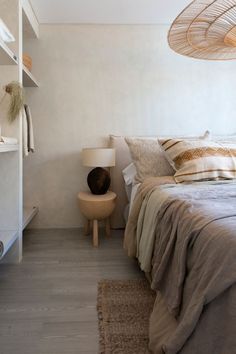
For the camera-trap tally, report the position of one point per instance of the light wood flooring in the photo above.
(48, 302)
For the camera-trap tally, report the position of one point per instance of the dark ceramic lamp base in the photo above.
(99, 181)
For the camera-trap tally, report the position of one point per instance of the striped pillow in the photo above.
(196, 160)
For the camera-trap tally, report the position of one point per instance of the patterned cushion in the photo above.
(149, 159)
(196, 160)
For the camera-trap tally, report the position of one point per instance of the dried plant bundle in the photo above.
(206, 29)
(15, 90)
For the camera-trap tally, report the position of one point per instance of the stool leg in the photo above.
(87, 227)
(108, 229)
(95, 233)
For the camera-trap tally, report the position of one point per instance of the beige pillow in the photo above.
(149, 158)
(196, 160)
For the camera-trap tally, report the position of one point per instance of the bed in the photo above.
(184, 237)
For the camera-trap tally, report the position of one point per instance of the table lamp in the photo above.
(98, 179)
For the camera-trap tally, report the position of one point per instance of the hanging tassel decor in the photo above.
(15, 90)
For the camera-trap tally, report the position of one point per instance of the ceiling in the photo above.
(108, 11)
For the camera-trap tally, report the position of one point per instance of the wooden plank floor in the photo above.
(48, 302)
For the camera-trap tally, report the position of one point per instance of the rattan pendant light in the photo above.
(206, 29)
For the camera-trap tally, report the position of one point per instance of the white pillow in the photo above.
(129, 173)
(225, 138)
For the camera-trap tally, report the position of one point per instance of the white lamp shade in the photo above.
(98, 157)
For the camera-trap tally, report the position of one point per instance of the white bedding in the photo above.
(128, 207)
(133, 194)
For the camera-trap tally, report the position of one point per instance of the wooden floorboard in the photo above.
(48, 302)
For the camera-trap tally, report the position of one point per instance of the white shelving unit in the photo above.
(21, 21)
(28, 215)
(6, 55)
(28, 78)
(30, 31)
(9, 147)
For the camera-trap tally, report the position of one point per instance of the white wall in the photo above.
(97, 80)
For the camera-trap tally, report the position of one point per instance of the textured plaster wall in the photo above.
(97, 80)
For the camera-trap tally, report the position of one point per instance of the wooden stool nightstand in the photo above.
(95, 208)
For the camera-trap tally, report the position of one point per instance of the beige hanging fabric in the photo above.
(28, 132)
(25, 133)
(30, 129)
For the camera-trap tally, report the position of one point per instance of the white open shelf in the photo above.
(8, 147)
(29, 21)
(28, 78)
(8, 238)
(6, 55)
(20, 18)
(28, 214)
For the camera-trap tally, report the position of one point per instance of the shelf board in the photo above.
(8, 147)
(6, 55)
(29, 20)
(8, 238)
(28, 78)
(28, 214)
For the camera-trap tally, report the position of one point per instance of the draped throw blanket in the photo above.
(145, 190)
(186, 236)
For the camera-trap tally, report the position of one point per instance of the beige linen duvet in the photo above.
(185, 237)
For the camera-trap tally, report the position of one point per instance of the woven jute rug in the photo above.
(124, 308)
